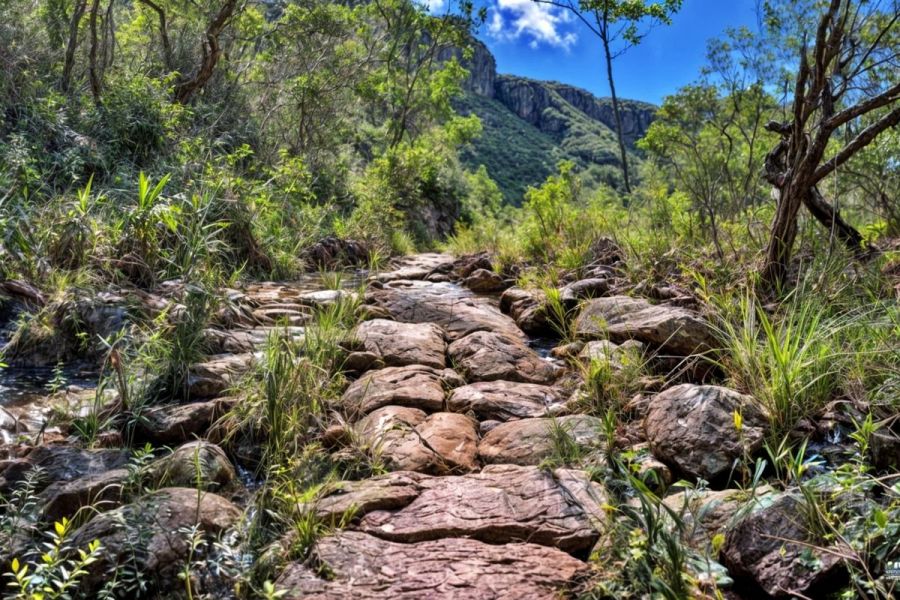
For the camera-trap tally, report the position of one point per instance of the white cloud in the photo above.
(435, 6)
(537, 23)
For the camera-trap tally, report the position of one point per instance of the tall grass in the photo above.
(289, 400)
(828, 339)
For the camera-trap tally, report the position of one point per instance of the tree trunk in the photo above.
(168, 61)
(212, 52)
(618, 118)
(72, 45)
(831, 218)
(783, 234)
(93, 67)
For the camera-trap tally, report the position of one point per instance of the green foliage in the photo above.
(57, 574)
(570, 135)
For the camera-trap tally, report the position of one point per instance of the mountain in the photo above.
(531, 125)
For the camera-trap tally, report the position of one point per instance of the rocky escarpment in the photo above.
(550, 121)
(530, 100)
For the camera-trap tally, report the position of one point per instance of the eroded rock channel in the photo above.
(474, 427)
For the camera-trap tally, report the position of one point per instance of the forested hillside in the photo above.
(551, 122)
(304, 300)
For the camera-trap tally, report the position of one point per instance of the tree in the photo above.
(838, 82)
(414, 81)
(211, 52)
(710, 136)
(618, 24)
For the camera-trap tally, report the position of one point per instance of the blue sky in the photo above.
(543, 42)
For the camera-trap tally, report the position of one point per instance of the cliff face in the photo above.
(529, 99)
(529, 126)
(482, 68)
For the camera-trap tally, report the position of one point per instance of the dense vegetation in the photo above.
(163, 158)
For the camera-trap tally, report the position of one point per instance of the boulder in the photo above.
(483, 281)
(364, 567)
(397, 344)
(707, 513)
(409, 440)
(335, 253)
(617, 356)
(505, 400)
(467, 265)
(416, 386)
(178, 423)
(583, 289)
(692, 427)
(501, 504)
(489, 356)
(527, 308)
(530, 441)
(149, 537)
(214, 376)
(100, 491)
(622, 318)
(195, 463)
(451, 307)
(59, 464)
(756, 547)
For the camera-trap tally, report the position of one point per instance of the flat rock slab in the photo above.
(417, 266)
(692, 427)
(362, 566)
(501, 504)
(489, 356)
(386, 492)
(622, 318)
(416, 386)
(453, 308)
(506, 400)
(239, 341)
(397, 344)
(409, 440)
(530, 441)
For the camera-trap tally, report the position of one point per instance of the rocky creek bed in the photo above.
(454, 380)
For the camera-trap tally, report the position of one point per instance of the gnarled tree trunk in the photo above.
(797, 164)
